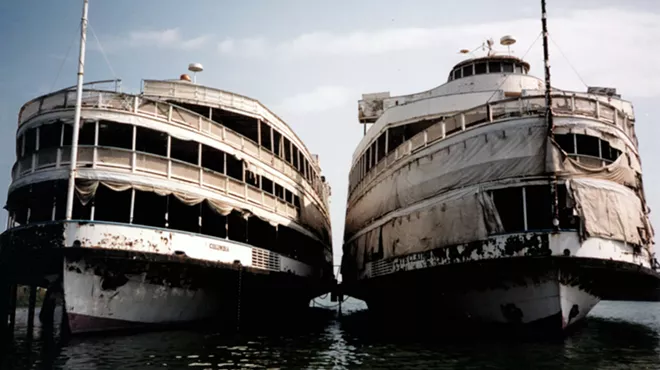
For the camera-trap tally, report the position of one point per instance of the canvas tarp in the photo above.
(517, 150)
(610, 210)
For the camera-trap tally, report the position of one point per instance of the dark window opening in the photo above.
(381, 146)
(607, 152)
(519, 68)
(417, 127)
(151, 141)
(30, 141)
(587, 145)
(509, 204)
(267, 185)
(87, 133)
(567, 220)
(60, 199)
(116, 135)
(234, 167)
(296, 201)
(287, 150)
(149, 209)
(213, 223)
(67, 136)
(112, 206)
(457, 73)
(494, 67)
(237, 228)
(566, 142)
(295, 157)
(395, 137)
(480, 68)
(539, 207)
(41, 201)
(265, 137)
(49, 136)
(507, 67)
(260, 233)
(19, 146)
(279, 191)
(184, 150)
(213, 159)
(288, 196)
(243, 125)
(277, 143)
(467, 70)
(199, 109)
(251, 178)
(181, 216)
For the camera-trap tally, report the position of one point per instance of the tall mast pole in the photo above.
(546, 62)
(76, 119)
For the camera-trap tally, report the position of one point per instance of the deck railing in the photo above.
(173, 115)
(562, 105)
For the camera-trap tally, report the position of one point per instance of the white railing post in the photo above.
(462, 122)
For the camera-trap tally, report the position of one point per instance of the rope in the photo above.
(66, 57)
(507, 76)
(567, 61)
(102, 52)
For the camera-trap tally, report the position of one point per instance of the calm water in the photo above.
(618, 335)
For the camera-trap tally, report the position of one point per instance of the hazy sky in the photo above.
(309, 61)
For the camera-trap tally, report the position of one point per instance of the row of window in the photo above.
(592, 146)
(119, 135)
(484, 67)
(46, 201)
(261, 133)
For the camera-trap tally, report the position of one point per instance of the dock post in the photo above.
(31, 307)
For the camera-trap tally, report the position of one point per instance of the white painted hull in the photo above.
(92, 305)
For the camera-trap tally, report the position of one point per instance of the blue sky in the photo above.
(309, 61)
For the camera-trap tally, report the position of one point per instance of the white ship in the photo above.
(493, 199)
(189, 203)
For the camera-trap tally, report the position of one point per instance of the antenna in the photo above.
(194, 68)
(507, 41)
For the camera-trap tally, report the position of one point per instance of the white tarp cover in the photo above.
(610, 210)
(500, 153)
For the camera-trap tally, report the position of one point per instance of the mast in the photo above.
(546, 62)
(76, 120)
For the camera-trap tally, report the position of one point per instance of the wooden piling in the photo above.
(12, 309)
(31, 307)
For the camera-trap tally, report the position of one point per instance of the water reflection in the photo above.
(617, 334)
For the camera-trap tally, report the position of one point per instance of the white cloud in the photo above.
(609, 46)
(164, 39)
(322, 98)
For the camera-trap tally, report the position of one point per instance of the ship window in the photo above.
(609, 153)
(295, 157)
(80, 211)
(567, 220)
(296, 201)
(279, 191)
(288, 196)
(213, 159)
(67, 135)
(539, 207)
(519, 68)
(87, 133)
(277, 143)
(115, 135)
(151, 141)
(381, 146)
(509, 204)
(213, 223)
(494, 67)
(480, 68)
(41, 201)
(184, 150)
(395, 138)
(251, 178)
(30, 141)
(149, 209)
(267, 185)
(49, 136)
(237, 226)
(60, 199)
(112, 206)
(199, 109)
(467, 70)
(243, 125)
(287, 150)
(19, 146)
(507, 67)
(234, 167)
(181, 216)
(457, 73)
(587, 145)
(566, 142)
(265, 137)
(260, 233)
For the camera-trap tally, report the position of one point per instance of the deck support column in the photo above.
(31, 306)
(12, 309)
